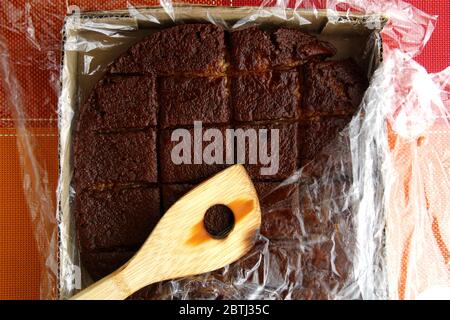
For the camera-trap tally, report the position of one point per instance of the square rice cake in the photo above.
(267, 96)
(184, 49)
(314, 135)
(333, 87)
(276, 267)
(256, 50)
(294, 47)
(185, 100)
(125, 157)
(172, 192)
(250, 50)
(181, 144)
(261, 162)
(280, 210)
(101, 264)
(118, 103)
(116, 218)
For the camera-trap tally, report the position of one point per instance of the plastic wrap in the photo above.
(371, 209)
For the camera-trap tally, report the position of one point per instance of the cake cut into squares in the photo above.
(182, 162)
(116, 218)
(294, 47)
(276, 267)
(256, 50)
(314, 135)
(250, 50)
(326, 266)
(333, 87)
(101, 264)
(185, 100)
(335, 213)
(118, 103)
(280, 210)
(261, 162)
(171, 193)
(125, 157)
(184, 49)
(267, 96)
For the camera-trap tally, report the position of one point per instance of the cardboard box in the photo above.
(92, 40)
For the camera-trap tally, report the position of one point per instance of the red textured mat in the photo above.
(20, 264)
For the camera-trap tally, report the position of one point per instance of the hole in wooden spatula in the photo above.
(219, 221)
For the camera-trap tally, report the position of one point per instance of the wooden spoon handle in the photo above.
(112, 287)
(180, 246)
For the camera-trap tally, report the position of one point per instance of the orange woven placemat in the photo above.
(20, 263)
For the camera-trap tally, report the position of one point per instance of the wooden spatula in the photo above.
(180, 246)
